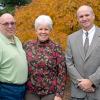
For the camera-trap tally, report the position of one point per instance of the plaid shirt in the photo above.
(47, 68)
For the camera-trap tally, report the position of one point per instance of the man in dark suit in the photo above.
(83, 57)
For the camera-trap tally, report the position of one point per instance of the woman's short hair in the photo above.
(43, 19)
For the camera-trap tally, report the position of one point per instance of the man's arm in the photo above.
(95, 77)
(0, 54)
(74, 74)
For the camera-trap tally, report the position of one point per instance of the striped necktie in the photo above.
(86, 44)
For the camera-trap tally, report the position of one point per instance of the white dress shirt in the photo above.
(91, 33)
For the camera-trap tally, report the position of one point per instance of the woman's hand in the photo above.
(57, 98)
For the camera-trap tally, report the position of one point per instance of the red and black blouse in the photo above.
(47, 68)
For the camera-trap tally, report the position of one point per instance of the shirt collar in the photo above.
(91, 30)
(6, 40)
(43, 44)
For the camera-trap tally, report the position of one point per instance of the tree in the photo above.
(9, 5)
(15, 2)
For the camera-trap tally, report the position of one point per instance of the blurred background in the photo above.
(62, 12)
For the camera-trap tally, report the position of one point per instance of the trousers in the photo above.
(12, 91)
(29, 96)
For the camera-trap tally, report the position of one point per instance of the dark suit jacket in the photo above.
(80, 66)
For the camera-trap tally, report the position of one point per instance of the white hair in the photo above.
(43, 19)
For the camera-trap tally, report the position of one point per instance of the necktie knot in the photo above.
(86, 34)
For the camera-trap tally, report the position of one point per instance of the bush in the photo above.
(63, 13)
(7, 9)
(9, 5)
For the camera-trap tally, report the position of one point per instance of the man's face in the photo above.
(7, 25)
(85, 18)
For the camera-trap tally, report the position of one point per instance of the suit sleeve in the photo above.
(95, 77)
(73, 73)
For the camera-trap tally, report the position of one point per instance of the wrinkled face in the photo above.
(85, 18)
(7, 25)
(43, 32)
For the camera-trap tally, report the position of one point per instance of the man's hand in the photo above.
(89, 90)
(57, 98)
(85, 85)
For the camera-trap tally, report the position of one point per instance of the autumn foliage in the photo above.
(62, 12)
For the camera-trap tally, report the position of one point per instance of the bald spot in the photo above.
(6, 17)
(85, 8)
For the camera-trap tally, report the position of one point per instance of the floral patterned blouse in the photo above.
(47, 68)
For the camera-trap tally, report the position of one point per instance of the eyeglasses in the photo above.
(8, 23)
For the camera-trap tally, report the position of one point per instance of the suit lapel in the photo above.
(80, 45)
(93, 44)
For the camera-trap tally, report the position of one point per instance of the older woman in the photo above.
(46, 61)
